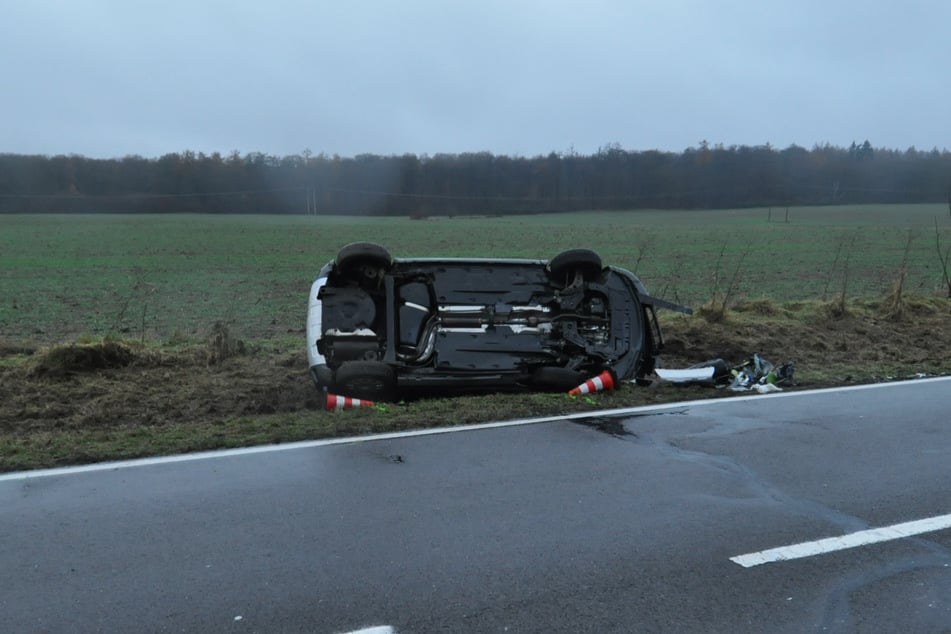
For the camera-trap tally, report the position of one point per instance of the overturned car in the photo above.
(380, 327)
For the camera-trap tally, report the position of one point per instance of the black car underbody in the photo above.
(390, 327)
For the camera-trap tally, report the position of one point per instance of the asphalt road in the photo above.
(618, 524)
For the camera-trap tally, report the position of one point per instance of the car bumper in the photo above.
(314, 332)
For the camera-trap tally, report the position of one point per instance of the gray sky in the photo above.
(108, 78)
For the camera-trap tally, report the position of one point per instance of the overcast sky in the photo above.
(109, 78)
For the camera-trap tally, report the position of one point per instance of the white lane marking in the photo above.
(852, 540)
(379, 629)
(306, 444)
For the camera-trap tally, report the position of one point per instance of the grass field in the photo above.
(125, 336)
(169, 278)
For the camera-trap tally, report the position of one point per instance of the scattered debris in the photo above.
(754, 374)
(698, 375)
(758, 372)
(716, 371)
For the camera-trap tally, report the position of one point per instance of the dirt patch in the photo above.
(867, 341)
(85, 387)
(72, 358)
(9, 349)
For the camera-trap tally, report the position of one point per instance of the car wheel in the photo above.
(371, 380)
(566, 263)
(363, 259)
(553, 379)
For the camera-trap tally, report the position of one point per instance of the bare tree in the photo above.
(715, 309)
(894, 304)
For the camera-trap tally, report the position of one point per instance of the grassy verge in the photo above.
(111, 399)
(52, 447)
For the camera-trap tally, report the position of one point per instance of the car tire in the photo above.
(554, 379)
(566, 263)
(370, 380)
(363, 259)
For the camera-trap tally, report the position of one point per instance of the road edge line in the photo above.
(306, 444)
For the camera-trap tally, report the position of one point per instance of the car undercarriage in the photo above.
(387, 327)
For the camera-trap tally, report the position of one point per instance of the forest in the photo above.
(703, 177)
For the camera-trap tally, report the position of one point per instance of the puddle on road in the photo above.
(610, 426)
(614, 425)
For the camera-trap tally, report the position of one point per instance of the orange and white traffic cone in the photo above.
(335, 401)
(604, 381)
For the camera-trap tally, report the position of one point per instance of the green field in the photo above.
(170, 277)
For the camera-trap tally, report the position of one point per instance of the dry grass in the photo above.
(58, 361)
(893, 305)
(113, 399)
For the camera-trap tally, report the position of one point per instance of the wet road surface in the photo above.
(611, 524)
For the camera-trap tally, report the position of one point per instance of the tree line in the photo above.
(703, 177)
